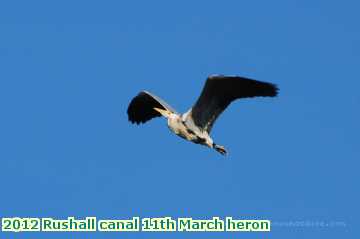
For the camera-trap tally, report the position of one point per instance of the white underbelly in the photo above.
(180, 129)
(183, 132)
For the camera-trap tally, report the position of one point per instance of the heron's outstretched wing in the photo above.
(141, 107)
(219, 91)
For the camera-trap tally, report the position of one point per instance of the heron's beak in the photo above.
(164, 113)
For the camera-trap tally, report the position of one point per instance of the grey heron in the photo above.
(195, 125)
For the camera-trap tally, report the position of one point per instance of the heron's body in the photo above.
(196, 124)
(177, 124)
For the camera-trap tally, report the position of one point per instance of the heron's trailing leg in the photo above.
(221, 149)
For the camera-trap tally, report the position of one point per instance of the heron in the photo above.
(196, 124)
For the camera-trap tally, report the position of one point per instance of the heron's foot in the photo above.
(220, 149)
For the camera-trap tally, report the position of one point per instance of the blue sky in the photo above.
(70, 68)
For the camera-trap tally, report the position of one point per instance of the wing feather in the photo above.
(141, 107)
(219, 91)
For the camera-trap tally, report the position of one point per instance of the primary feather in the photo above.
(141, 107)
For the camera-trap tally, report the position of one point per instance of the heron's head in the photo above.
(164, 113)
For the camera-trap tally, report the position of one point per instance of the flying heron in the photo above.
(195, 125)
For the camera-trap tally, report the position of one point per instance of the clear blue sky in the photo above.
(70, 68)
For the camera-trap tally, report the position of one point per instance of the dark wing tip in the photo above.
(262, 89)
(137, 110)
(272, 90)
(141, 107)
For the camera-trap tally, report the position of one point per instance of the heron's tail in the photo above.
(220, 149)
